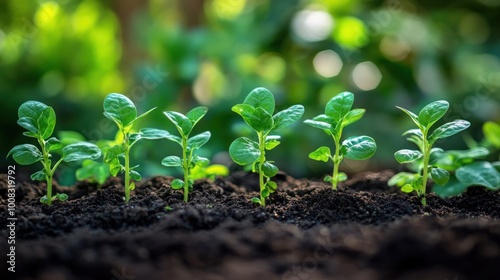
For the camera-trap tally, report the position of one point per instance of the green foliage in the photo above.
(39, 120)
(338, 115)
(123, 113)
(425, 140)
(257, 111)
(189, 161)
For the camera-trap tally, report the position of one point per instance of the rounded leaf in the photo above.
(261, 120)
(359, 147)
(318, 124)
(339, 105)
(440, 176)
(80, 151)
(177, 184)
(288, 116)
(433, 112)
(341, 177)
(39, 176)
(135, 175)
(196, 114)
(37, 118)
(119, 108)
(449, 129)
(261, 97)
(322, 153)
(60, 196)
(172, 161)
(405, 156)
(256, 200)
(407, 188)
(353, 116)
(199, 140)
(153, 133)
(181, 122)
(479, 173)
(244, 151)
(53, 144)
(25, 154)
(269, 169)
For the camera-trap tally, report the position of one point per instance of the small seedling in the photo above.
(338, 115)
(257, 111)
(185, 124)
(123, 113)
(39, 120)
(425, 140)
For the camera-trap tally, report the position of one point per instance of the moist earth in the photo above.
(364, 230)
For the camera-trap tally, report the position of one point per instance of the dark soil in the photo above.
(308, 231)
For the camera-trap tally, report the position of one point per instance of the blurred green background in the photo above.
(177, 54)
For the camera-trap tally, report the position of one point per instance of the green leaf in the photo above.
(479, 173)
(288, 116)
(172, 161)
(244, 151)
(199, 140)
(414, 131)
(256, 200)
(271, 144)
(449, 129)
(339, 106)
(407, 188)
(25, 154)
(60, 196)
(269, 169)
(328, 179)
(433, 112)
(473, 153)
(245, 111)
(70, 137)
(196, 114)
(131, 186)
(114, 166)
(135, 175)
(341, 177)
(491, 131)
(39, 176)
(318, 124)
(120, 109)
(44, 200)
(261, 120)
(406, 156)
(353, 116)
(452, 188)
(53, 144)
(201, 161)
(261, 98)
(181, 122)
(413, 117)
(143, 115)
(359, 147)
(401, 179)
(93, 170)
(177, 184)
(272, 186)
(265, 193)
(323, 153)
(37, 118)
(153, 133)
(112, 153)
(440, 176)
(80, 151)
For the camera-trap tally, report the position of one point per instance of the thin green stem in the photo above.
(186, 162)
(426, 150)
(262, 159)
(127, 166)
(336, 162)
(47, 169)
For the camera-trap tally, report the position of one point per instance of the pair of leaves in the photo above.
(26, 154)
(257, 111)
(185, 123)
(37, 118)
(121, 110)
(57, 196)
(338, 114)
(245, 151)
(175, 161)
(358, 148)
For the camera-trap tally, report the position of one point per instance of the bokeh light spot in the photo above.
(209, 86)
(327, 63)
(52, 83)
(351, 32)
(394, 47)
(46, 13)
(228, 9)
(312, 25)
(366, 76)
(474, 28)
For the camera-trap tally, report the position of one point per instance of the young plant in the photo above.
(39, 120)
(257, 111)
(185, 124)
(425, 140)
(123, 113)
(337, 116)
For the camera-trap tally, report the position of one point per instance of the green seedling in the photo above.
(425, 140)
(337, 116)
(123, 113)
(257, 111)
(185, 125)
(39, 120)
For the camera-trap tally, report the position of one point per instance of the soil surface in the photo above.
(365, 230)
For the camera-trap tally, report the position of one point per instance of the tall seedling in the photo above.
(123, 113)
(257, 111)
(39, 120)
(338, 114)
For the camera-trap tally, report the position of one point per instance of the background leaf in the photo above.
(491, 131)
(479, 173)
(80, 151)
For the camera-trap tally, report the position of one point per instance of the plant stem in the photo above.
(262, 159)
(426, 150)
(336, 163)
(127, 174)
(48, 171)
(186, 162)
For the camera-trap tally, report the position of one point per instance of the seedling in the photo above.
(123, 113)
(257, 111)
(425, 140)
(39, 120)
(185, 124)
(337, 116)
